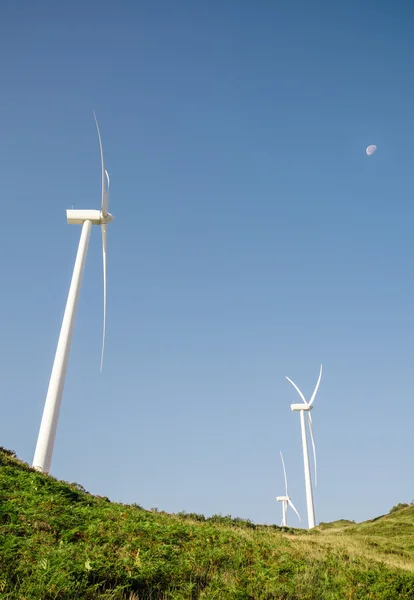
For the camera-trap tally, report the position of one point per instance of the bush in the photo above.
(9, 452)
(399, 507)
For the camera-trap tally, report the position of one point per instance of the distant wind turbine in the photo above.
(47, 433)
(285, 500)
(302, 408)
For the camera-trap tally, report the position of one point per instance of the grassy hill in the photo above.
(57, 542)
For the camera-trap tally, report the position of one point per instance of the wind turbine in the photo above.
(47, 433)
(302, 408)
(285, 500)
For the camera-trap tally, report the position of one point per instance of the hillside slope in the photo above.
(58, 542)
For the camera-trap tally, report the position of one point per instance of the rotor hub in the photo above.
(107, 218)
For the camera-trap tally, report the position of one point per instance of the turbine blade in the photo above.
(316, 388)
(284, 472)
(293, 508)
(103, 229)
(313, 445)
(104, 202)
(298, 390)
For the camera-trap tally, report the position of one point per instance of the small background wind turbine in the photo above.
(302, 408)
(285, 500)
(47, 433)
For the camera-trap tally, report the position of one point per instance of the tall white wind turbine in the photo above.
(302, 408)
(285, 500)
(47, 433)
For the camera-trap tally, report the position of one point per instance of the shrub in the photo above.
(399, 507)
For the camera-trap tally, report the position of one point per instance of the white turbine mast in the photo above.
(47, 433)
(285, 500)
(302, 408)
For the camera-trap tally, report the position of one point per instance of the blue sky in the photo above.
(253, 239)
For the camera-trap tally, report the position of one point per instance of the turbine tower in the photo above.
(47, 433)
(302, 408)
(285, 500)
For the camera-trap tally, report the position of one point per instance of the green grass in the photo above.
(57, 542)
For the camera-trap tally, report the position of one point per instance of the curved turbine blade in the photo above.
(104, 203)
(293, 508)
(316, 388)
(284, 472)
(298, 390)
(103, 229)
(313, 445)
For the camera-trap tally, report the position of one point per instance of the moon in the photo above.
(371, 149)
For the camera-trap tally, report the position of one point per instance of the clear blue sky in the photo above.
(253, 239)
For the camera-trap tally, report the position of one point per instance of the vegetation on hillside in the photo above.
(57, 542)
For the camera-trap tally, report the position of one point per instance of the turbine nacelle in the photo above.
(305, 407)
(282, 498)
(78, 217)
